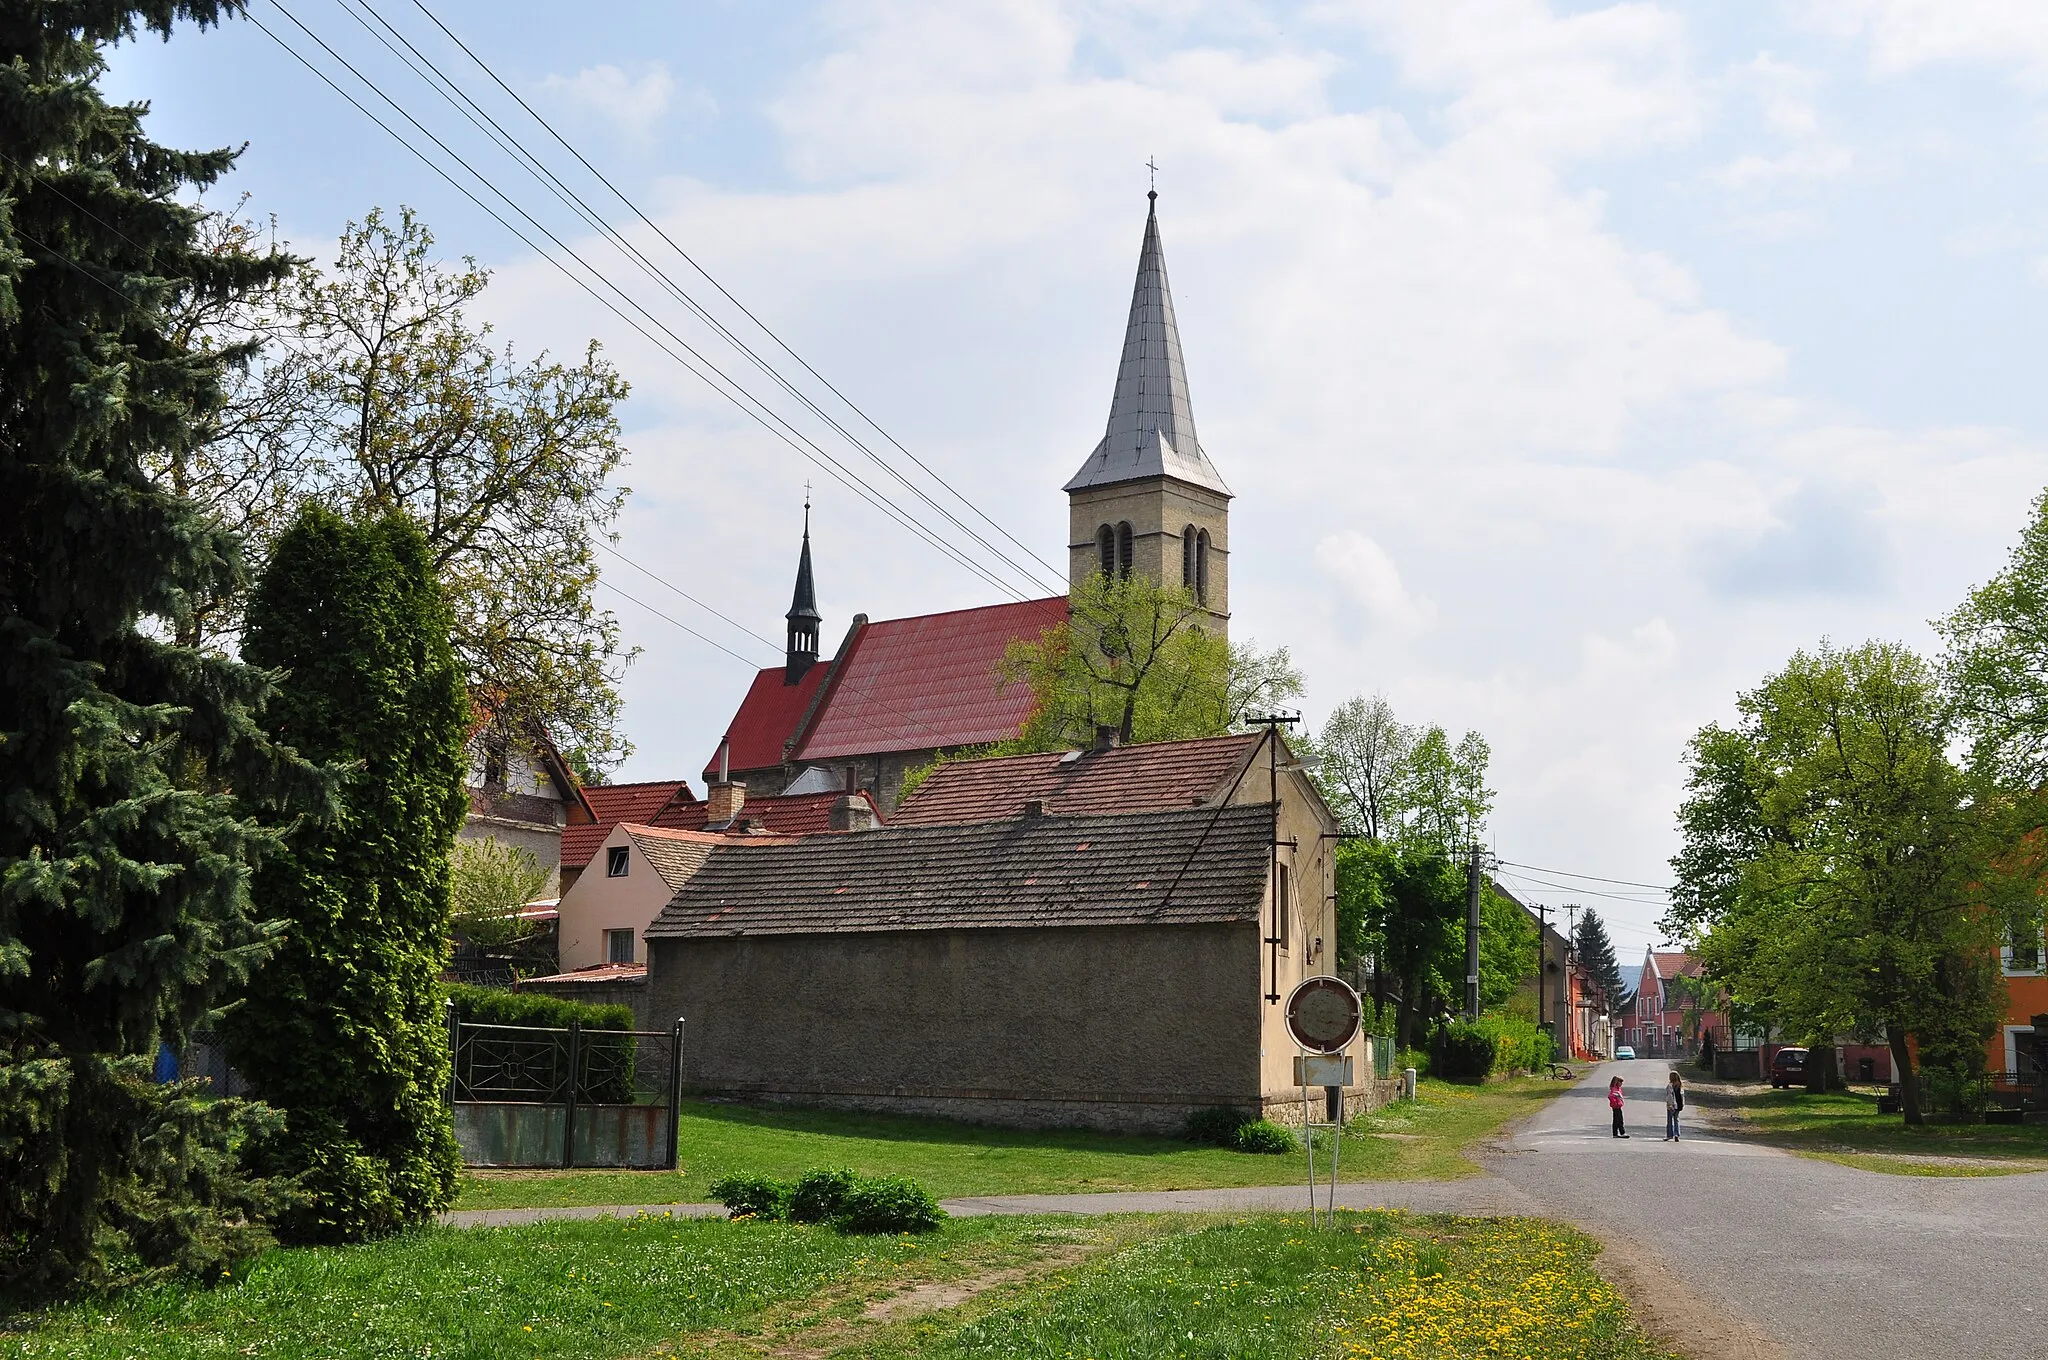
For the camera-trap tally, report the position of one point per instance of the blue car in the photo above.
(1623, 1053)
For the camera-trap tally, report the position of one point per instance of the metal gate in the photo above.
(526, 1095)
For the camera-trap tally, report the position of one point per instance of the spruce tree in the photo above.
(125, 909)
(1596, 952)
(344, 1028)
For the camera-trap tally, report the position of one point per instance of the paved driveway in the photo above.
(1824, 1259)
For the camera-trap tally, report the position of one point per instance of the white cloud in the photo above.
(1365, 571)
(636, 105)
(1904, 35)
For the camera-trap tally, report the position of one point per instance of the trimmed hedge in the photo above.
(497, 1006)
(849, 1202)
(600, 1054)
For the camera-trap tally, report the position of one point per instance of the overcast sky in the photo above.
(1572, 363)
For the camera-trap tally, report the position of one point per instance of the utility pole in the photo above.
(1542, 948)
(1472, 935)
(1277, 936)
(1571, 954)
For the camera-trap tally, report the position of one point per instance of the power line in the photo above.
(725, 386)
(635, 209)
(445, 86)
(1594, 878)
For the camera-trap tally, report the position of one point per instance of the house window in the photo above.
(1123, 549)
(2022, 953)
(618, 946)
(616, 858)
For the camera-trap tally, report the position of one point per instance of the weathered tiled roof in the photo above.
(930, 681)
(675, 855)
(595, 973)
(1031, 871)
(1160, 774)
(787, 814)
(615, 803)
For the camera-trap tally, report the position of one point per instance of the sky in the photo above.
(1573, 364)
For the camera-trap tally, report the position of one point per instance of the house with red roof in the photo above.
(898, 692)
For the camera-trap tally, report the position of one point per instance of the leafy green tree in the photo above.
(1404, 904)
(1834, 866)
(1596, 951)
(125, 909)
(378, 390)
(489, 883)
(1132, 655)
(1443, 792)
(1507, 951)
(1361, 753)
(344, 1028)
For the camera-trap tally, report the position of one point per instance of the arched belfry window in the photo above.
(1123, 549)
(1202, 565)
(1187, 556)
(1105, 550)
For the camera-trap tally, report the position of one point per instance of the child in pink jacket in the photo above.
(1614, 1103)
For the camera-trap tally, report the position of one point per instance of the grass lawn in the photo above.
(1425, 1140)
(1848, 1122)
(1385, 1285)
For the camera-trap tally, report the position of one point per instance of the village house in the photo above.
(1113, 971)
(898, 692)
(2021, 965)
(1569, 1003)
(523, 794)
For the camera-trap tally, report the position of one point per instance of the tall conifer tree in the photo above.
(124, 904)
(344, 1029)
(1596, 951)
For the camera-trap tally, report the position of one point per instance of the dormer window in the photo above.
(617, 859)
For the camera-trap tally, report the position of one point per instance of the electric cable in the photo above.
(725, 386)
(1595, 878)
(450, 92)
(637, 212)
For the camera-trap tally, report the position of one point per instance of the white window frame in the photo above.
(618, 861)
(632, 937)
(2040, 958)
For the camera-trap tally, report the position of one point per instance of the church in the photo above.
(897, 692)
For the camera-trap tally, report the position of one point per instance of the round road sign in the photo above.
(1323, 1014)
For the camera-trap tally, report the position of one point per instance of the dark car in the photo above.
(1788, 1068)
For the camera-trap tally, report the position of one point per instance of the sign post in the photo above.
(1323, 1017)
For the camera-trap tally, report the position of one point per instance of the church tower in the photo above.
(1148, 501)
(803, 617)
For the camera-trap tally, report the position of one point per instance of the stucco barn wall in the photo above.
(1126, 1028)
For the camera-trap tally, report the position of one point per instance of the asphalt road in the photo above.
(1823, 1259)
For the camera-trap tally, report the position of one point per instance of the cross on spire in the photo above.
(1152, 164)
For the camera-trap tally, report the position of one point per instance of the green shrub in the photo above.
(762, 1196)
(1469, 1051)
(1264, 1136)
(820, 1197)
(1462, 1052)
(850, 1203)
(888, 1204)
(1217, 1126)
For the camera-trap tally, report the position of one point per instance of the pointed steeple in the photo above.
(1151, 425)
(803, 615)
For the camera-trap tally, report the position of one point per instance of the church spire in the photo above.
(1151, 424)
(803, 615)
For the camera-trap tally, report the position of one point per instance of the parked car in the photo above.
(1623, 1053)
(1788, 1068)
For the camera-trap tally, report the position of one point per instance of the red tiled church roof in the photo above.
(766, 719)
(930, 681)
(1154, 776)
